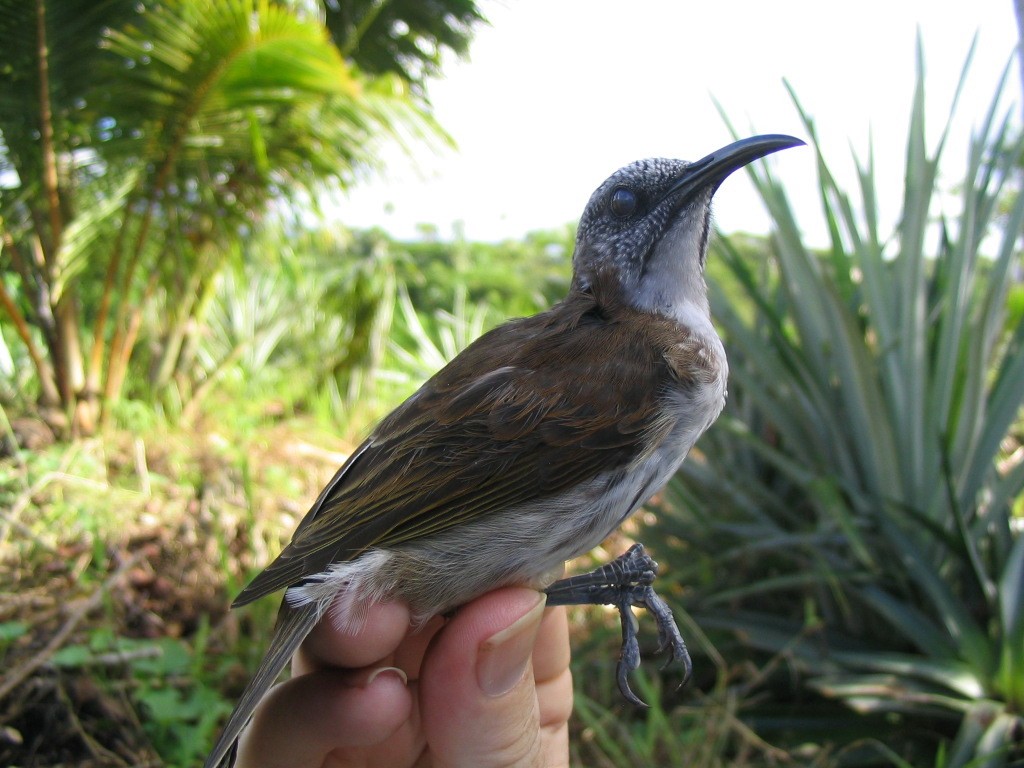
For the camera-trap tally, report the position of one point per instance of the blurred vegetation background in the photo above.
(185, 359)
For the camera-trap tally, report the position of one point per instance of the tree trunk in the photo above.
(77, 399)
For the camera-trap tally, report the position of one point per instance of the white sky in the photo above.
(557, 94)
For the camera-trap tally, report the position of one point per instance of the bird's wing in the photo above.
(531, 409)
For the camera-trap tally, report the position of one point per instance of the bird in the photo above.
(534, 443)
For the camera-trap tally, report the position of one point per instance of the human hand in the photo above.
(490, 688)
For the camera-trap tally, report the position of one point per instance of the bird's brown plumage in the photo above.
(501, 428)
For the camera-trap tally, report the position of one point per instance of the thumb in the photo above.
(478, 698)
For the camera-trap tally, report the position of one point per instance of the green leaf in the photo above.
(405, 38)
(12, 630)
(950, 675)
(984, 738)
(913, 623)
(72, 656)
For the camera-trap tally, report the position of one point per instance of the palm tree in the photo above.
(138, 139)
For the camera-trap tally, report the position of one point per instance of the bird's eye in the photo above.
(622, 203)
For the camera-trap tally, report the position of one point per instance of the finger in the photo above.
(553, 678)
(409, 655)
(372, 644)
(304, 719)
(551, 652)
(478, 701)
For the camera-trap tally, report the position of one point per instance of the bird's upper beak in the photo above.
(712, 170)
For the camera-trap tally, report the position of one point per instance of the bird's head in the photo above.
(646, 227)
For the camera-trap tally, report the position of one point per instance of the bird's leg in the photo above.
(625, 582)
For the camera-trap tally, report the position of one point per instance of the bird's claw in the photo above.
(625, 582)
(629, 655)
(669, 636)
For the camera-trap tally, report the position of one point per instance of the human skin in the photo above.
(489, 688)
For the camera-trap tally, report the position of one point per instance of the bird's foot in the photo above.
(625, 582)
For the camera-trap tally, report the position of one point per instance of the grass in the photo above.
(118, 558)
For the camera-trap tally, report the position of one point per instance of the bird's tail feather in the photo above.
(293, 624)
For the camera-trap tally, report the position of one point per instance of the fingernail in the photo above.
(502, 658)
(382, 670)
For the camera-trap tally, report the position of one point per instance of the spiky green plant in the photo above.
(853, 510)
(298, 316)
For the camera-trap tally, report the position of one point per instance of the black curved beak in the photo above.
(712, 170)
